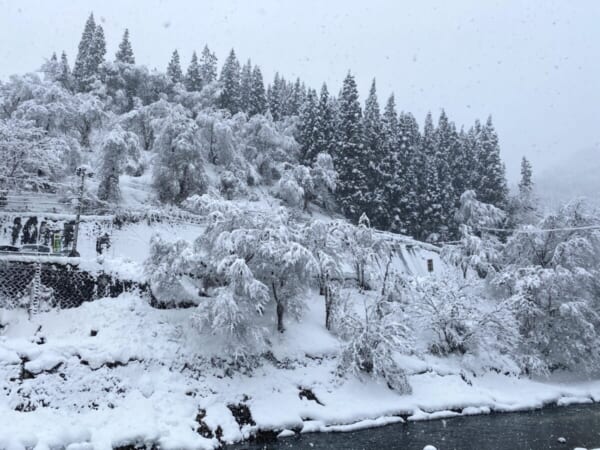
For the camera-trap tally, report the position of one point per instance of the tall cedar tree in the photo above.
(275, 94)
(410, 160)
(125, 52)
(258, 99)
(245, 86)
(193, 76)
(325, 123)
(174, 68)
(389, 190)
(307, 133)
(373, 151)
(208, 66)
(65, 77)
(349, 157)
(446, 139)
(90, 55)
(230, 80)
(493, 187)
(99, 50)
(526, 183)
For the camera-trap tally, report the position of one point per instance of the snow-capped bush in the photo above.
(551, 278)
(120, 152)
(374, 342)
(169, 268)
(478, 249)
(178, 169)
(234, 310)
(461, 322)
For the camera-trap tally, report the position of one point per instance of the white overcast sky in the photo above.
(533, 64)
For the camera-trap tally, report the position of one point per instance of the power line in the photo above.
(540, 230)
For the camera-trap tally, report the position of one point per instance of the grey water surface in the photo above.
(532, 430)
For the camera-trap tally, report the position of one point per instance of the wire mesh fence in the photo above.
(40, 286)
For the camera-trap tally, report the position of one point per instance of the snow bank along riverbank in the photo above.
(116, 371)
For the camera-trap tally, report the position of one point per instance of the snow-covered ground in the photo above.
(116, 371)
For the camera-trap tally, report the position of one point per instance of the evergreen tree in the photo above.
(258, 99)
(297, 98)
(193, 77)
(446, 144)
(349, 157)
(230, 79)
(523, 207)
(125, 52)
(389, 189)
(51, 68)
(431, 214)
(64, 77)
(411, 160)
(493, 187)
(98, 50)
(174, 68)
(246, 86)
(325, 126)
(275, 97)
(208, 66)
(82, 71)
(307, 133)
(472, 149)
(372, 147)
(526, 183)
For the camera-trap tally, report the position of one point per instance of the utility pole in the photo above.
(82, 172)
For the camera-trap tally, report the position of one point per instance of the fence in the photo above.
(37, 285)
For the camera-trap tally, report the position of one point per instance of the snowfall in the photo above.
(116, 372)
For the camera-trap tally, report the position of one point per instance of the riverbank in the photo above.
(552, 428)
(115, 372)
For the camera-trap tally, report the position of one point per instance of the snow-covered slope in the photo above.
(116, 371)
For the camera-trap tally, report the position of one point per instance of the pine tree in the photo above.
(125, 52)
(98, 50)
(349, 157)
(307, 133)
(83, 63)
(472, 149)
(258, 99)
(64, 77)
(446, 143)
(193, 77)
(51, 68)
(325, 123)
(411, 160)
(174, 68)
(431, 215)
(208, 66)
(273, 97)
(372, 147)
(526, 183)
(230, 80)
(297, 98)
(493, 188)
(389, 189)
(523, 207)
(246, 86)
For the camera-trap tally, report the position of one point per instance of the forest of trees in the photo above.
(526, 296)
(406, 179)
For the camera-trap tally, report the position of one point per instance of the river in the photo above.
(532, 430)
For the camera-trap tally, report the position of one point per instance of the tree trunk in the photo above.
(328, 308)
(280, 309)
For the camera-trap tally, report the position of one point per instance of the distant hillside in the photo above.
(575, 175)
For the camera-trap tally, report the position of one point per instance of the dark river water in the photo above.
(535, 430)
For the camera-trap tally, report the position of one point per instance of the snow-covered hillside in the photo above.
(116, 372)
